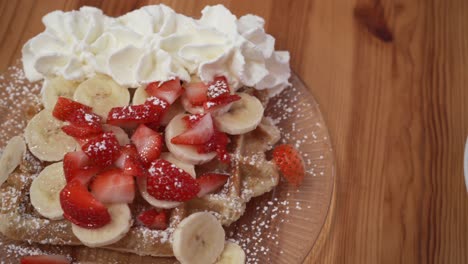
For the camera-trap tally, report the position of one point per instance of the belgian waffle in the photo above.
(251, 176)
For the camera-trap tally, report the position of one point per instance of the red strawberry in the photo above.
(196, 93)
(113, 186)
(218, 142)
(64, 107)
(219, 87)
(290, 163)
(192, 120)
(210, 182)
(169, 90)
(199, 133)
(81, 208)
(148, 142)
(45, 259)
(169, 183)
(77, 166)
(129, 161)
(154, 219)
(151, 111)
(218, 102)
(102, 150)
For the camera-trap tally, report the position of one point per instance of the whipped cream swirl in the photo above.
(154, 43)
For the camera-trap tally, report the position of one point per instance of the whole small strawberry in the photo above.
(290, 163)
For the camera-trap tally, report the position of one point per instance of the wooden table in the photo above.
(392, 81)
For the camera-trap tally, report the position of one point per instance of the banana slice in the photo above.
(121, 221)
(55, 87)
(45, 138)
(140, 95)
(101, 93)
(232, 254)
(141, 181)
(11, 157)
(198, 239)
(244, 116)
(119, 133)
(45, 191)
(184, 153)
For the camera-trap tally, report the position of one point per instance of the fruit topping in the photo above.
(151, 111)
(45, 259)
(167, 182)
(77, 166)
(218, 102)
(154, 219)
(65, 107)
(81, 208)
(103, 150)
(129, 161)
(210, 182)
(219, 87)
(113, 186)
(196, 93)
(169, 90)
(218, 142)
(290, 163)
(148, 142)
(199, 132)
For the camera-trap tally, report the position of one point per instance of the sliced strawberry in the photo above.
(81, 208)
(218, 102)
(79, 132)
(77, 166)
(148, 142)
(210, 182)
(154, 219)
(45, 259)
(113, 186)
(199, 133)
(151, 111)
(192, 120)
(169, 90)
(102, 150)
(290, 163)
(169, 183)
(219, 87)
(64, 107)
(129, 161)
(196, 93)
(218, 142)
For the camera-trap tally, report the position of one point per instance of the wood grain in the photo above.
(396, 108)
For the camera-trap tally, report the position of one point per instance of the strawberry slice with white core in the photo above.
(169, 90)
(154, 219)
(152, 111)
(82, 124)
(196, 93)
(148, 142)
(113, 186)
(167, 182)
(77, 166)
(45, 259)
(199, 133)
(102, 150)
(129, 161)
(210, 182)
(81, 208)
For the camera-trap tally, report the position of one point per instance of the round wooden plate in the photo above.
(282, 226)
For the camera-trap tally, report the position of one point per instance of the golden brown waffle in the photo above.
(251, 175)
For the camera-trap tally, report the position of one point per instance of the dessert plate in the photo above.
(282, 226)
